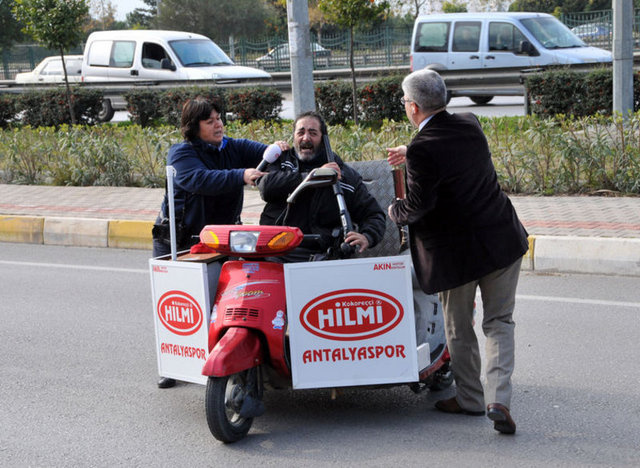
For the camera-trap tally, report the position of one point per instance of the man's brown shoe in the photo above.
(452, 406)
(502, 421)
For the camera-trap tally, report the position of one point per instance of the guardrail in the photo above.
(481, 82)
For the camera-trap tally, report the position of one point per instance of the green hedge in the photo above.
(531, 154)
(148, 107)
(376, 101)
(7, 109)
(45, 108)
(574, 93)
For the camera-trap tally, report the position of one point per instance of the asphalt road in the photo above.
(79, 382)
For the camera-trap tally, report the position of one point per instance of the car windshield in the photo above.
(551, 33)
(199, 53)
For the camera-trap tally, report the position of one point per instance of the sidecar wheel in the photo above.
(442, 378)
(222, 404)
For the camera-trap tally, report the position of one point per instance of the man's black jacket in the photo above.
(316, 210)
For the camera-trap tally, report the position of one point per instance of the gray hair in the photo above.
(426, 88)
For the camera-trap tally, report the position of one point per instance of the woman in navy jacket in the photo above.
(211, 172)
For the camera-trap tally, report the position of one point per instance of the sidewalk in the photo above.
(568, 234)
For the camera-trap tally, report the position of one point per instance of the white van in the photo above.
(153, 55)
(159, 55)
(460, 41)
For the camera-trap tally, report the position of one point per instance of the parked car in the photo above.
(50, 71)
(593, 32)
(278, 57)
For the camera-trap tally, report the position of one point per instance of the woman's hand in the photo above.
(284, 146)
(251, 174)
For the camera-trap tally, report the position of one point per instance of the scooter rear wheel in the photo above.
(442, 378)
(223, 400)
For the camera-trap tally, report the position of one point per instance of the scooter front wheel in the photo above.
(223, 404)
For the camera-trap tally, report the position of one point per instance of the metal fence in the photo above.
(385, 46)
(381, 47)
(24, 58)
(596, 27)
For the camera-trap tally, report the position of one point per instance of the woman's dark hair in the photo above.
(194, 111)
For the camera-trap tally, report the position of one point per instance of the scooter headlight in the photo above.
(243, 241)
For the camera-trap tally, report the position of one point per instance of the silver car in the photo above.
(278, 58)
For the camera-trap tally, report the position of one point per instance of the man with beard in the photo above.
(316, 211)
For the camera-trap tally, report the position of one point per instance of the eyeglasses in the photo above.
(403, 101)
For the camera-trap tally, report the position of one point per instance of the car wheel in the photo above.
(106, 111)
(481, 100)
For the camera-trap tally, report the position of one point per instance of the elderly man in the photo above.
(464, 234)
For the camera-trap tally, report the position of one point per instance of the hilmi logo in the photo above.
(351, 314)
(180, 313)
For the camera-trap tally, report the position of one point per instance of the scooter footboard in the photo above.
(239, 349)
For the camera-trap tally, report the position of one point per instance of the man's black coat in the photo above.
(461, 224)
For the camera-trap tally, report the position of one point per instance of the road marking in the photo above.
(526, 297)
(74, 267)
(575, 300)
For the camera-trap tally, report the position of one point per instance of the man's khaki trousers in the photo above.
(498, 291)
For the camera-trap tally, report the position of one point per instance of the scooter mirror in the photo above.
(320, 177)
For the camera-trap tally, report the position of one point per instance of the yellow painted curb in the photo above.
(26, 229)
(527, 260)
(130, 234)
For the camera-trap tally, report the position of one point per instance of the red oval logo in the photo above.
(351, 314)
(180, 313)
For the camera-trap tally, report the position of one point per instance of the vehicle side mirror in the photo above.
(320, 177)
(166, 64)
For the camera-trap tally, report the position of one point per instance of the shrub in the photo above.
(574, 93)
(7, 109)
(381, 100)
(48, 108)
(172, 101)
(531, 154)
(143, 105)
(93, 158)
(260, 103)
(334, 101)
(24, 155)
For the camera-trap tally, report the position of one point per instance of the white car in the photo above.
(50, 71)
(278, 57)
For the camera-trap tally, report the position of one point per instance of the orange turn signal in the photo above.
(281, 240)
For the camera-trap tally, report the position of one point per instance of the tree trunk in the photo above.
(66, 82)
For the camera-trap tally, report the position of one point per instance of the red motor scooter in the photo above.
(248, 340)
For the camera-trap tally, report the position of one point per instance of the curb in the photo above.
(79, 232)
(546, 254)
(608, 256)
